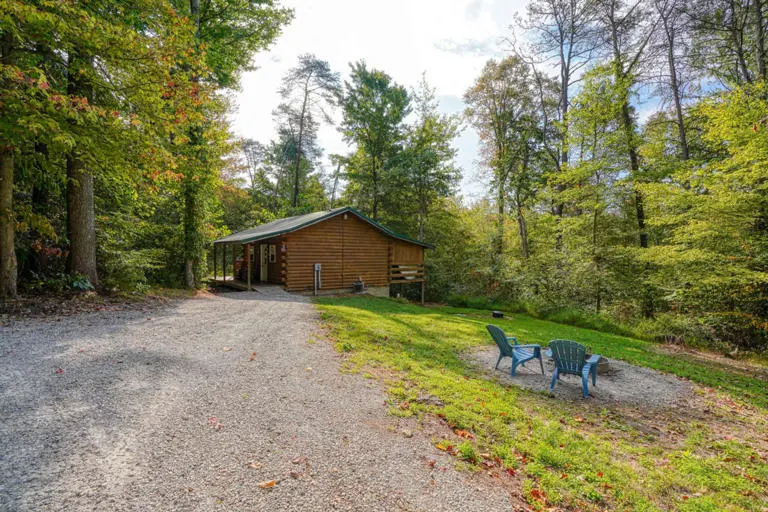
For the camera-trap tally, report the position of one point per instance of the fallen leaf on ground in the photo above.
(294, 474)
(59, 370)
(255, 465)
(298, 460)
(227, 349)
(267, 484)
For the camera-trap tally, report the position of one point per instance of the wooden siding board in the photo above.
(348, 249)
(365, 254)
(319, 243)
(405, 253)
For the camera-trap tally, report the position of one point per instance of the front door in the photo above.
(264, 262)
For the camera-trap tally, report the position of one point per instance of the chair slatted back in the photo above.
(500, 338)
(569, 356)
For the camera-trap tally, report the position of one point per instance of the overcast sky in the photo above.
(450, 40)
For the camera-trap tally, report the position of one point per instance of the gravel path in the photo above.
(165, 410)
(627, 384)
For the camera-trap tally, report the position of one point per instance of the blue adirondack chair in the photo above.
(520, 354)
(571, 357)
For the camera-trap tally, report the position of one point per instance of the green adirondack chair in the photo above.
(571, 357)
(520, 354)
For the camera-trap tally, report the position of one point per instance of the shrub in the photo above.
(740, 331)
(561, 315)
(58, 282)
(467, 452)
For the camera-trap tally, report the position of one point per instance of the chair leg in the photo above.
(514, 367)
(541, 363)
(501, 356)
(584, 381)
(594, 375)
(554, 379)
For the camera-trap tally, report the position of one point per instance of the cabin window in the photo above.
(272, 253)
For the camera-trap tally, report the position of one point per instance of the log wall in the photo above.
(348, 249)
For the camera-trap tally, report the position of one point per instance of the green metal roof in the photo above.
(290, 224)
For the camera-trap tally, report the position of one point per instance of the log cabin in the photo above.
(330, 251)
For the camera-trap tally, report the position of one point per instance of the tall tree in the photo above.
(8, 266)
(564, 31)
(723, 39)
(430, 173)
(673, 47)
(308, 90)
(226, 35)
(500, 106)
(628, 30)
(374, 110)
(81, 213)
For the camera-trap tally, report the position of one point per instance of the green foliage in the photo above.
(57, 283)
(374, 109)
(126, 92)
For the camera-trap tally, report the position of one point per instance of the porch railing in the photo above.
(406, 273)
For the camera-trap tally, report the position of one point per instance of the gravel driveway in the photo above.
(170, 410)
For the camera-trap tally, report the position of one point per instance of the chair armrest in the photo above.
(593, 359)
(527, 346)
(512, 338)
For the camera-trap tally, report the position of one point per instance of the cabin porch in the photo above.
(242, 266)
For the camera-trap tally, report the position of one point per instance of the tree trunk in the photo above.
(8, 268)
(375, 177)
(191, 220)
(335, 185)
(422, 219)
(596, 258)
(500, 203)
(192, 247)
(759, 39)
(523, 232)
(564, 80)
(81, 216)
(675, 86)
(634, 165)
(81, 223)
(737, 37)
(297, 171)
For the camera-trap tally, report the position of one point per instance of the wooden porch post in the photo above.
(214, 262)
(423, 282)
(248, 258)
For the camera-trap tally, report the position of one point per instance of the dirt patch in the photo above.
(624, 384)
(53, 306)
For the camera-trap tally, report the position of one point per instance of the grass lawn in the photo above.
(569, 455)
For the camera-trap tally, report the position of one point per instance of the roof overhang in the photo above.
(234, 239)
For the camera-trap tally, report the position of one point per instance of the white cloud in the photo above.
(402, 37)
